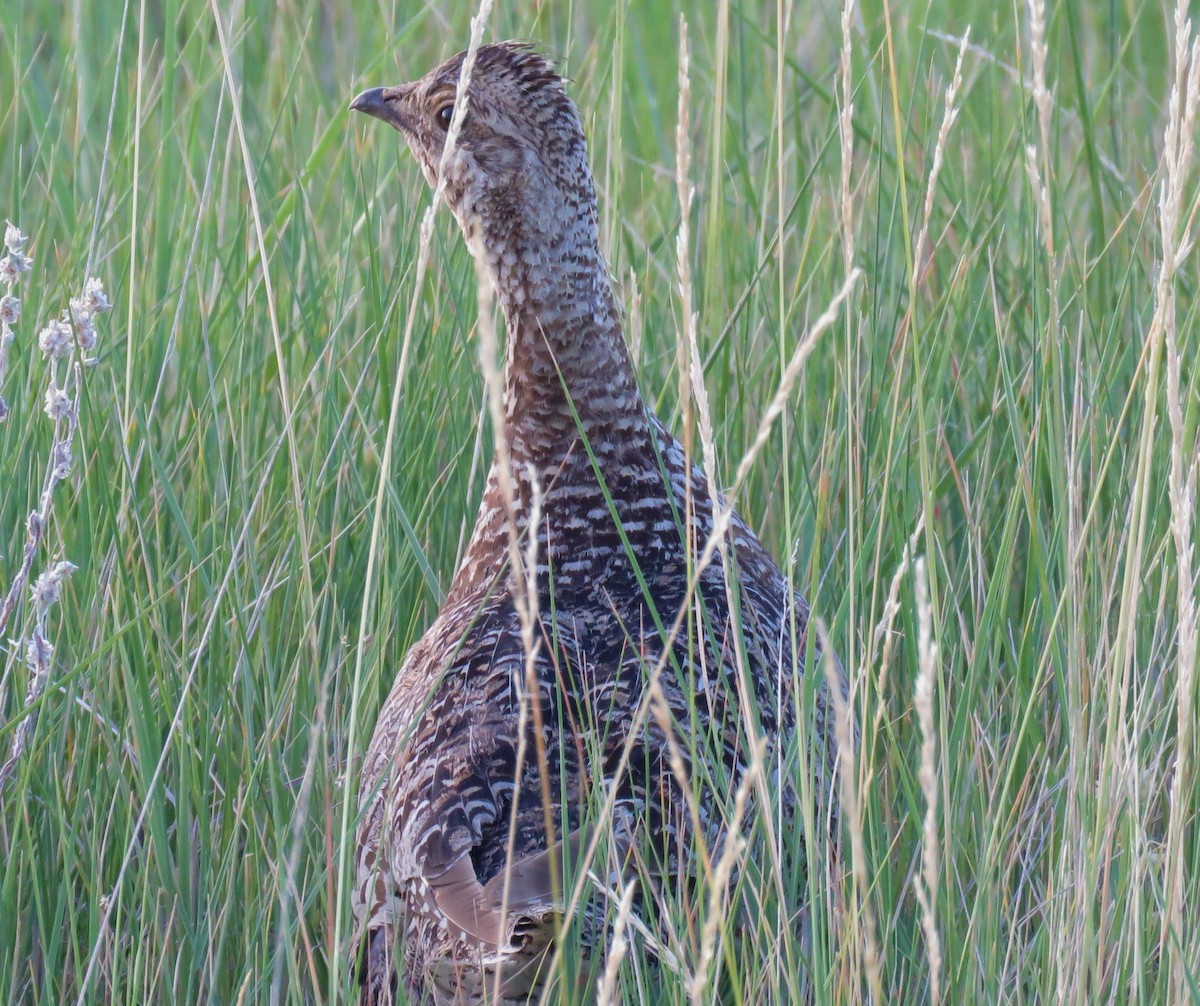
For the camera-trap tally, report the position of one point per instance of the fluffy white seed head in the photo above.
(55, 339)
(94, 299)
(16, 262)
(82, 320)
(12, 266)
(47, 588)
(10, 310)
(14, 240)
(38, 651)
(62, 460)
(58, 403)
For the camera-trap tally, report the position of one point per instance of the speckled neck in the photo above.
(567, 367)
(568, 376)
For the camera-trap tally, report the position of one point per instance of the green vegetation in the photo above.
(999, 392)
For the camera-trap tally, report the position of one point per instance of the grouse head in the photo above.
(519, 163)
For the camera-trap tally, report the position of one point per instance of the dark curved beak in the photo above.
(380, 102)
(370, 101)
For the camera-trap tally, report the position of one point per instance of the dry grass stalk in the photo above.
(845, 101)
(787, 382)
(1041, 93)
(683, 260)
(281, 369)
(1177, 152)
(1176, 239)
(526, 602)
(524, 565)
(1066, 910)
(846, 140)
(851, 807)
(661, 711)
(733, 845)
(691, 368)
(949, 114)
(1038, 165)
(891, 608)
(346, 829)
(927, 775)
(606, 991)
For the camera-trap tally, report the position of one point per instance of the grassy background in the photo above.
(210, 668)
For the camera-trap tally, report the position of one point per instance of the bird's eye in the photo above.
(444, 115)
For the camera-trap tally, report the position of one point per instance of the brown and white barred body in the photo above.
(440, 776)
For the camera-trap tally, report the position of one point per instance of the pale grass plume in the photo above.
(891, 608)
(1176, 238)
(606, 991)
(846, 140)
(1041, 93)
(15, 263)
(683, 263)
(55, 339)
(927, 776)
(732, 848)
(1041, 195)
(865, 944)
(38, 655)
(1160, 337)
(949, 115)
(691, 368)
(1037, 160)
(634, 317)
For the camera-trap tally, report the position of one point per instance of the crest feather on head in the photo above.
(522, 60)
(518, 62)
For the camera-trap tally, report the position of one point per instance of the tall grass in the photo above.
(1009, 404)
